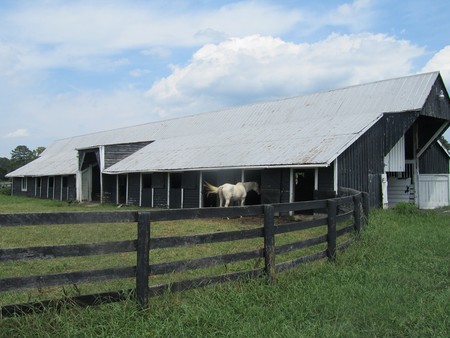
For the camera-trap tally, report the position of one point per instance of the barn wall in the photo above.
(434, 160)
(17, 186)
(117, 152)
(57, 189)
(134, 186)
(190, 185)
(159, 185)
(72, 187)
(395, 126)
(275, 185)
(109, 188)
(44, 187)
(361, 164)
(435, 106)
(147, 196)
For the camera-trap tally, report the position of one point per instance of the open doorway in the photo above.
(252, 197)
(90, 176)
(304, 184)
(122, 189)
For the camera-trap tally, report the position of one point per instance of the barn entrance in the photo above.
(90, 175)
(304, 184)
(121, 189)
(175, 197)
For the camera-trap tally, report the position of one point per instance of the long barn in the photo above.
(378, 137)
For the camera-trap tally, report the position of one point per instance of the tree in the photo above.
(20, 156)
(38, 151)
(445, 143)
(4, 167)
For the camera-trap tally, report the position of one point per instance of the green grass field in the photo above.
(392, 282)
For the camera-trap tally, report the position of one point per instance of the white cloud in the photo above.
(17, 133)
(69, 34)
(262, 67)
(440, 62)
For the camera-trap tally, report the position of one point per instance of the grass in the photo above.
(393, 282)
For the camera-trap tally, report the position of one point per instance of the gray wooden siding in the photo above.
(117, 152)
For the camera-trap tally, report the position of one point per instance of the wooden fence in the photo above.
(351, 207)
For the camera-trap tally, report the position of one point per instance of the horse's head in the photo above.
(255, 187)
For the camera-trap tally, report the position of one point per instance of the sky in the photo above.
(69, 68)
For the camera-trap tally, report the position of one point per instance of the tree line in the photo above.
(20, 156)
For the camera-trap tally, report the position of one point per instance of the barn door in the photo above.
(86, 184)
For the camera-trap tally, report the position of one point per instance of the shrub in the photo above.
(5, 188)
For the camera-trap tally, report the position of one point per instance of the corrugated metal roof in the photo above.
(306, 130)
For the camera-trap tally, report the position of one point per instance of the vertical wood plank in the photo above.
(269, 242)
(331, 235)
(357, 213)
(143, 258)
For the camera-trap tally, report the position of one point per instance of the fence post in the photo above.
(366, 206)
(143, 259)
(357, 213)
(269, 242)
(331, 234)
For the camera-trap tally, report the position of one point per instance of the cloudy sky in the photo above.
(73, 67)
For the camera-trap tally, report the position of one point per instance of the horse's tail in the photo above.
(210, 189)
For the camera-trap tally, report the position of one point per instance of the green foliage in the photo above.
(393, 282)
(406, 208)
(22, 155)
(445, 143)
(4, 167)
(5, 188)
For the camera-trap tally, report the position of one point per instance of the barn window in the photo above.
(24, 184)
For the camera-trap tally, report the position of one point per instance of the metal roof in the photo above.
(310, 130)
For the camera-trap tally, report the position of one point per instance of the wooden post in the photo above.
(357, 213)
(269, 242)
(331, 235)
(366, 206)
(143, 259)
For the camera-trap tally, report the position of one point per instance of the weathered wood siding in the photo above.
(434, 161)
(191, 189)
(134, 186)
(117, 152)
(275, 185)
(109, 188)
(159, 184)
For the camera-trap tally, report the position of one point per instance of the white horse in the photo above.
(228, 192)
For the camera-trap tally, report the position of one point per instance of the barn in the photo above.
(379, 137)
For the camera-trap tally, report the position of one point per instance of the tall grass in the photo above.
(393, 282)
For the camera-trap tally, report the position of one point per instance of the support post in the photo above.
(143, 258)
(269, 242)
(357, 213)
(331, 234)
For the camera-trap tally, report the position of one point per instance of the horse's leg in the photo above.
(242, 202)
(227, 202)
(220, 199)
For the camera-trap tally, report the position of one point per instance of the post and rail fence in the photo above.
(350, 206)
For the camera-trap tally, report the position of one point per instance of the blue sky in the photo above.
(74, 67)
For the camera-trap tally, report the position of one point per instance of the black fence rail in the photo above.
(350, 208)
